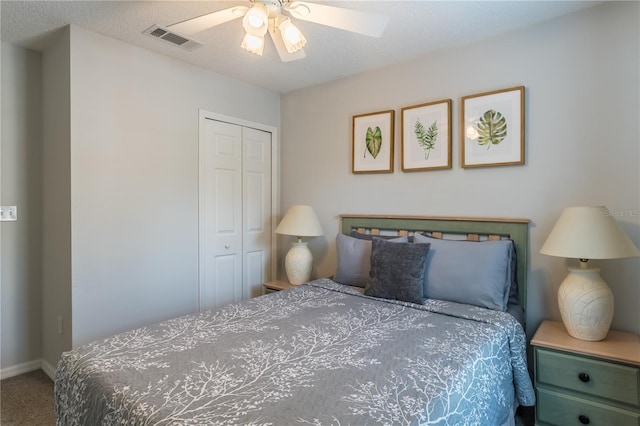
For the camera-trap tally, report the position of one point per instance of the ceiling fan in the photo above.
(274, 17)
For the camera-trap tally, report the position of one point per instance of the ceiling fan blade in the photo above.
(371, 24)
(285, 56)
(201, 23)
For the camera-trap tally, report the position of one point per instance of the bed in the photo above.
(330, 352)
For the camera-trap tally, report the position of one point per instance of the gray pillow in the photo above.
(471, 272)
(514, 292)
(397, 270)
(369, 237)
(354, 260)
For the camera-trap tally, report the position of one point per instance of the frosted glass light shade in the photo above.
(292, 37)
(253, 44)
(256, 20)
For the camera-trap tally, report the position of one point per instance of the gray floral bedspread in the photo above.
(320, 354)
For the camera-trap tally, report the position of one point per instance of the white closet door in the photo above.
(256, 167)
(235, 212)
(221, 195)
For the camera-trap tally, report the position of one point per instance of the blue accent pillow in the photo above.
(397, 270)
(354, 260)
(471, 272)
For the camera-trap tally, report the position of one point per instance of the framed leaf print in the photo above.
(492, 128)
(372, 145)
(426, 136)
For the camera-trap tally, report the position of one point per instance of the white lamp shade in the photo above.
(300, 221)
(588, 233)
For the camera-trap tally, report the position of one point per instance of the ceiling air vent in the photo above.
(183, 42)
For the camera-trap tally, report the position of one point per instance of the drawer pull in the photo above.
(584, 419)
(584, 377)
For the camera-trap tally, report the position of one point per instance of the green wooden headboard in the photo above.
(470, 228)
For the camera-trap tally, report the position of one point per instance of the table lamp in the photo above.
(300, 221)
(584, 299)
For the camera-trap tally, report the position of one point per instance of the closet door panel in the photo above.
(257, 209)
(226, 289)
(221, 195)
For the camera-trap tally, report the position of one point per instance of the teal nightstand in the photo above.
(278, 285)
(580, 382)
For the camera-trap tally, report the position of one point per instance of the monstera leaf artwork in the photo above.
(492, 128)
(426, 137)
(373, 141)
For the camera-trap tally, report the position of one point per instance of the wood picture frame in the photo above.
(492, 128)
(426, 136)
(372, 142)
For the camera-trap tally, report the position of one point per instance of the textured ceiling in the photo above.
(415, 28)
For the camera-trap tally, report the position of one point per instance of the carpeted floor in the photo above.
(27, 399)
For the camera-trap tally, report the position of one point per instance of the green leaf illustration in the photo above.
(426, 137)
(492, 128)
(373, 141)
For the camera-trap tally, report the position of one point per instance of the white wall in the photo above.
(133, 168)
(582, 145)
(56, 202)
(21, 177)
(134, 148)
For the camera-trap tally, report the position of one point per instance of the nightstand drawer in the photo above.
(565, 410)
(601, 379)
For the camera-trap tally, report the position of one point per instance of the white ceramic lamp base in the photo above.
(298, 263)
(586, 304)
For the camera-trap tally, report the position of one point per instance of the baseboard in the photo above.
(48, 369)
(27, 367)
(16, 370)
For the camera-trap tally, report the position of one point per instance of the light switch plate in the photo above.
(8, 213)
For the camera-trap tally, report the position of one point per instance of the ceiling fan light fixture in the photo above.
(298, 10)
(292, 37)
(253, 44)
(256, 20)
(239, 11)
(262, 16)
